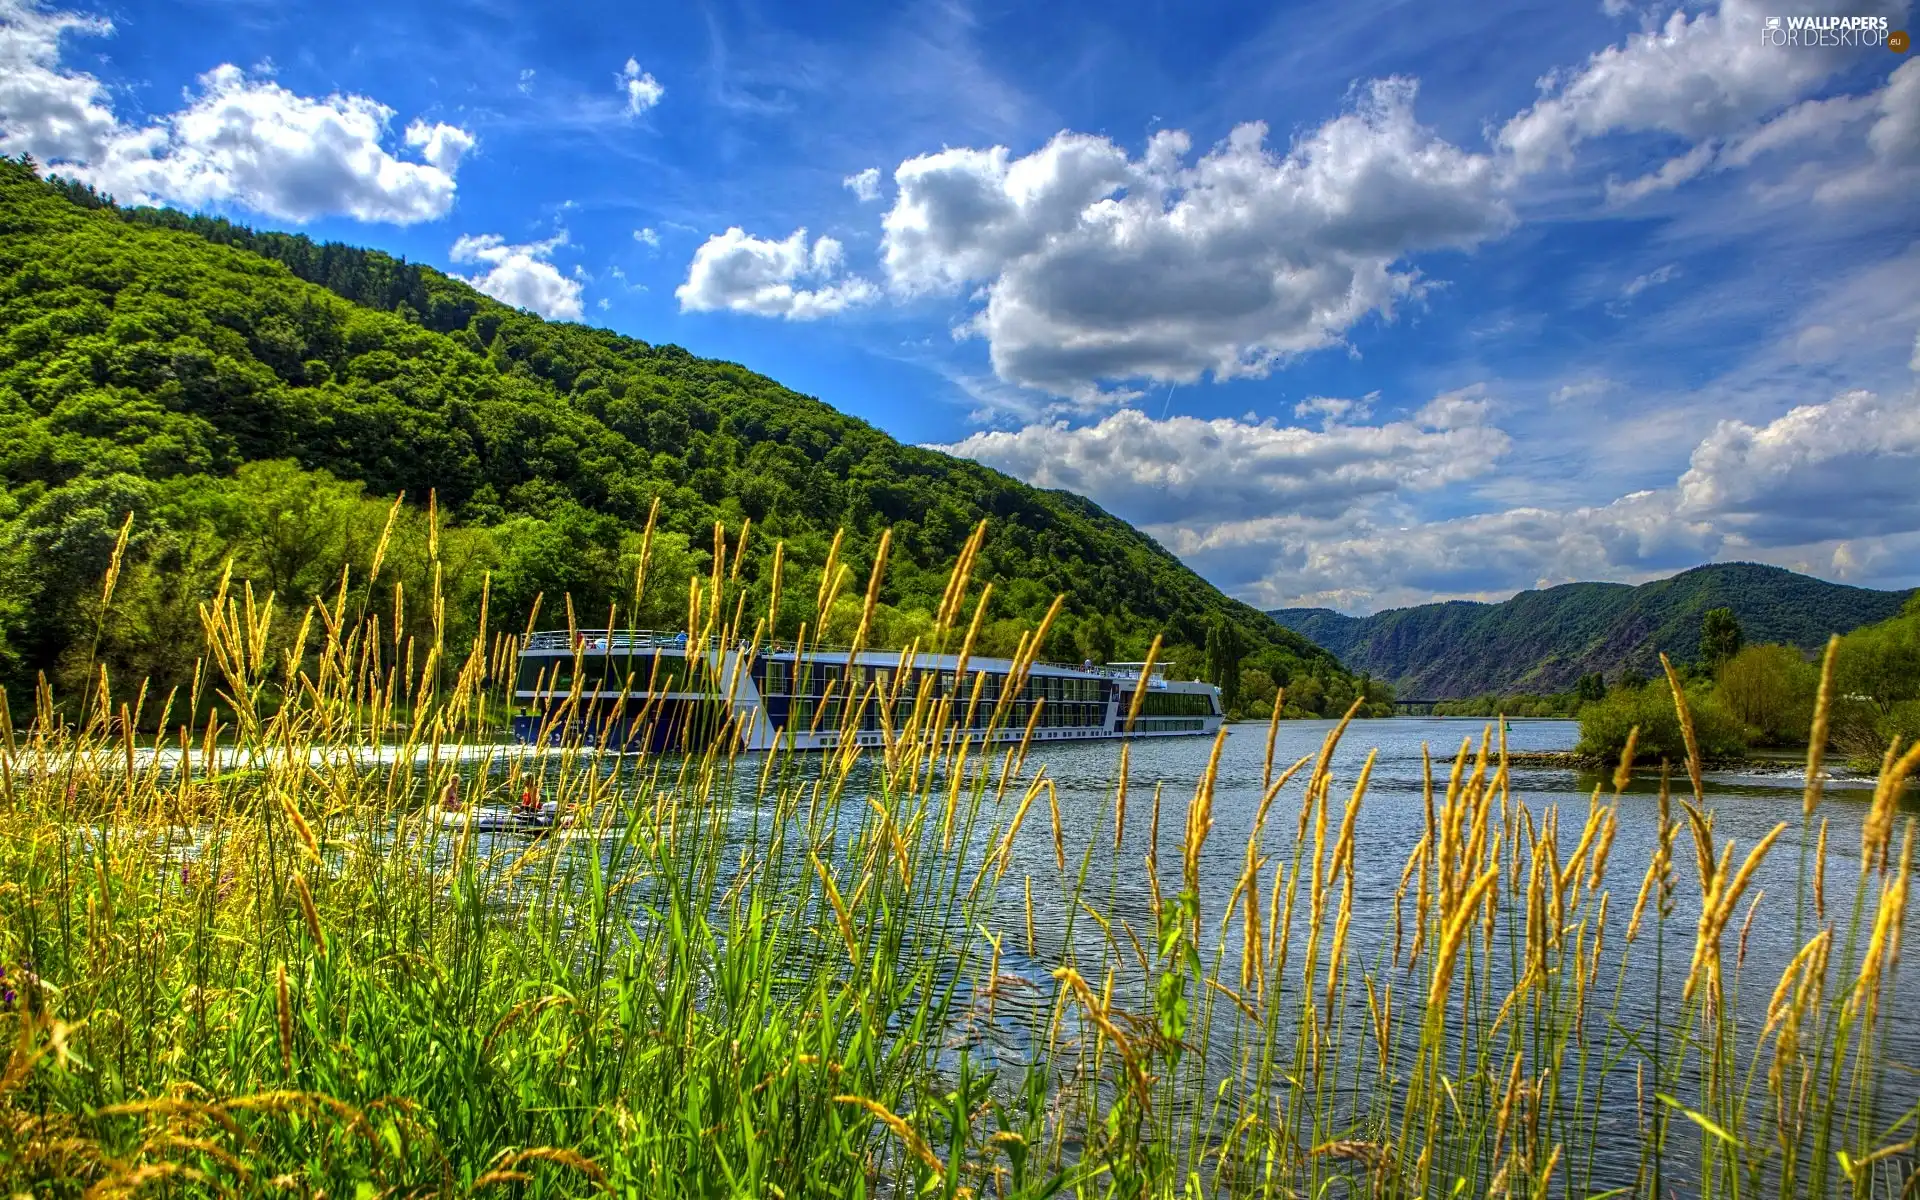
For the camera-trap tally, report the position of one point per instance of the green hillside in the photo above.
(259, 397)
(1543, 641)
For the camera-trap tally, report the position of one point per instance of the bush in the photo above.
(1604, 725)
(1770, 689)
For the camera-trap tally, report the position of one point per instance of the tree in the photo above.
(1096, 639)
(1591, 687)
(1225, 649)
(1770, 689)
(1720, 637)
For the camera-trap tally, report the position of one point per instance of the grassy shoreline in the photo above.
(758, 974)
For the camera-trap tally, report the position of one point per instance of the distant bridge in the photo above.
(1413, 708)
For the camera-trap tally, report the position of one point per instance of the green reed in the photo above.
(249, 957)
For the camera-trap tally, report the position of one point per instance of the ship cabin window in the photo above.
(558, 673)
(1174, 704)
(779, 677)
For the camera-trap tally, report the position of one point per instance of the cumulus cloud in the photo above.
(1184, 469)
(642, 90)
(521, 275)
(1370, 559)
(1698, 75)
(1335, 410)
(440, 144)
(864, 184)
(736, 271)
(1708, 78)
(1842, 469)
(648, 237)
(239, 140)
(1285, 516)
(1100, 268)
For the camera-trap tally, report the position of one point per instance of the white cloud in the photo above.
(1708, 78)
(1100, 268)
(1894, 141)
(1373, 558)
(1336, 410)
(643, 91)
(1671, 174)
(1184, 469)
(1842, 469)
(1806, 121)
(647, 237)
(1653, 278)
(239, 140)
(1581, 389)
(521, 275)
(1285, 516)
(735, 271)
(864, 184)
(1700, 76)
(441, 145)
(1895, 137)
(526, 79)
(57, 115)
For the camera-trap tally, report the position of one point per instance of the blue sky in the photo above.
(1355, 306)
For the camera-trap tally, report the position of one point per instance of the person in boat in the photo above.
(529, 802)
(450, 795)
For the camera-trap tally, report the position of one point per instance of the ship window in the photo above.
(777, 678)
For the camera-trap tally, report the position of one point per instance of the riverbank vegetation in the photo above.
(809, 976)
(258, 399)
(1763, 696)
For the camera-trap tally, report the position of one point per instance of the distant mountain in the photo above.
(1543, 641)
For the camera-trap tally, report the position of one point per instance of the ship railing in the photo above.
(597, 641)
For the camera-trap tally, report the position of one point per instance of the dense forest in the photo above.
(1543, 641)
(256, 400)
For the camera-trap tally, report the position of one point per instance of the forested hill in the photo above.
(261, 397)
(1543, 641)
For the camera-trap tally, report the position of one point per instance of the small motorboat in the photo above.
(501, 818)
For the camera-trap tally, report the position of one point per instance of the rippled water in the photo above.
(1744, 804)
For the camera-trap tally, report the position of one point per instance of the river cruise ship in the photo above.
(638, 690)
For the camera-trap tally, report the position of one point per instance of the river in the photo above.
(1744, 807)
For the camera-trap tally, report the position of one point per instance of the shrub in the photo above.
(1604, 725)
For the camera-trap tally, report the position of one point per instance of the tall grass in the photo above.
(247, 957)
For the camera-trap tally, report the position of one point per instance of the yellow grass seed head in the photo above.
(307, 909)
(284, 1010)
(1817, 736)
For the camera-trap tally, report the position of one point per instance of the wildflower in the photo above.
(7, 996)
